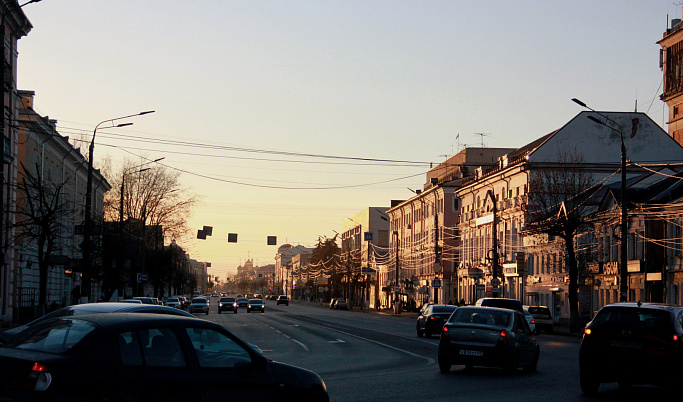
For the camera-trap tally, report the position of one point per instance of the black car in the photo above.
(242, 302)
(632, 343)
(227, 304)
(93, 308)
(144, 357)
(431, 320)
(256, 305)
(283, 299)
(488, 336)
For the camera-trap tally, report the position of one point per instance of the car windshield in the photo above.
(227, 299)
(482, 316)
(56, 337)
(539, 310)
(199, 300)
(255, 301)
(171, 300)
(242, 299)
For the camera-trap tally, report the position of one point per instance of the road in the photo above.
(378, 357)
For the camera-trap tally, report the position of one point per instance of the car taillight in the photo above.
(444, 333)
(39, 379)
(432, 318)
(587, 331)
(533, 321)
(503, 337)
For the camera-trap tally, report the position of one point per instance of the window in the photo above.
(215, 349)
(56, 338)
(160, 348)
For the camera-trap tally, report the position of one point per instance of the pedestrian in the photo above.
(377, 305)
(462, 302)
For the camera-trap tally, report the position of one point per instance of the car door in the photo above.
(154, 365)
(526, 339)
(228, 367)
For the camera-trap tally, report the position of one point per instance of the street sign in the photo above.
(397, 289)
(437, 268)
(142, 277)
(495, 282)
(368, 236)
(436, 283)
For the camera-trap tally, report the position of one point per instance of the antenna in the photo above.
(482, 135)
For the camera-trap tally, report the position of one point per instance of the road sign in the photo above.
(368, 236)
(495, 282)
(436, 283)
(142, 277)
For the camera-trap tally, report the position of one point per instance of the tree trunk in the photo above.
(574, 323)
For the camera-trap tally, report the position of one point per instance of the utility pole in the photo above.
(495, 282)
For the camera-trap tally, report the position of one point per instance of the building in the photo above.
(283, 266)
(495, 207)
(364, 247)
(671, 63)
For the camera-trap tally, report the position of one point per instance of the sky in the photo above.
(288, 117)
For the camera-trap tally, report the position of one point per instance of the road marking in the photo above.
(301, 344)
(337, 341)
(287, 336)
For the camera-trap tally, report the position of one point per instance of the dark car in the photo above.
(93, 308)
(282, 299)
(147, 300)
(488, 336)
(338, 304)
(242, 302)
(632, 343)
(144, 357)
(227, 304)
(256, 305)
(500, 302)
(431, 320)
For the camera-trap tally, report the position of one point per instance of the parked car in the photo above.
(500, 302)
(199, 305)
(92, 308)
(543, 317)
(146, 300)
(431, 320)
(227, 304)
(338, 304)
(632, 343)
(256, 305)
(173, 302)
(530, 320)
(283, 299)
(488, 336)
(242, 302)
(145, 357)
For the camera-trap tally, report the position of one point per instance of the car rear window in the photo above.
(443, 309)
(56, 337)
(199, 300)
(480, 316)
(650, 319)
(539, 311)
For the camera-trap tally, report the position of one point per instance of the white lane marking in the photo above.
(337, 341)
(301, 344)
(287, 336)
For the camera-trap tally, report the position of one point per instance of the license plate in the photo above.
(471, 353)
(627, 345)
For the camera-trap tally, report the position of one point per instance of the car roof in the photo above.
(142, 319)
(658, 306)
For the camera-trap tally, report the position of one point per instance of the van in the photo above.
(510, 304)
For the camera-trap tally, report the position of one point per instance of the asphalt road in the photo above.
(368, 356)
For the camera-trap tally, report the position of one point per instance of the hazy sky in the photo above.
(252, 98)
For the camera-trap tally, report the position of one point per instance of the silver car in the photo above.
(199, 305)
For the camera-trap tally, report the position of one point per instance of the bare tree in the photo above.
(41, 211)
(559, 192)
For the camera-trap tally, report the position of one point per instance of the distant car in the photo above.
(130, 301)
(500, 302)
(432, 319)
(282, 299)
(184, 302)
(227, 304)
(256, 305)
(242, 302)
(199, 305)
(543, 317)
(338, 304)
(145, 357)
(146, 300)
(488, 336)
(530, 320)
(173, 302)
(93, 308)
(632, 344)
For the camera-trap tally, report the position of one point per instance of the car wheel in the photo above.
(235, 311)
(248, 311)
(420, 333)
(219, 311)
(444, 365)
(534, 364)
(589, 385)
(511, 368)
(207, 312)
(427, 333)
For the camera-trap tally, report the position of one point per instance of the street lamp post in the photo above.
(623, 274)
(87, 227)
(3, 124)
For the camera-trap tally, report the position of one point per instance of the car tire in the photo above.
(219, 311)
(444, 365)
(534, 364)
(235, 311)
(420, 333)
(589, 385)
(511, 368)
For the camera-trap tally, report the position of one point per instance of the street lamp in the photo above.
(623, 278)
(3, 70)
(87, 227)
